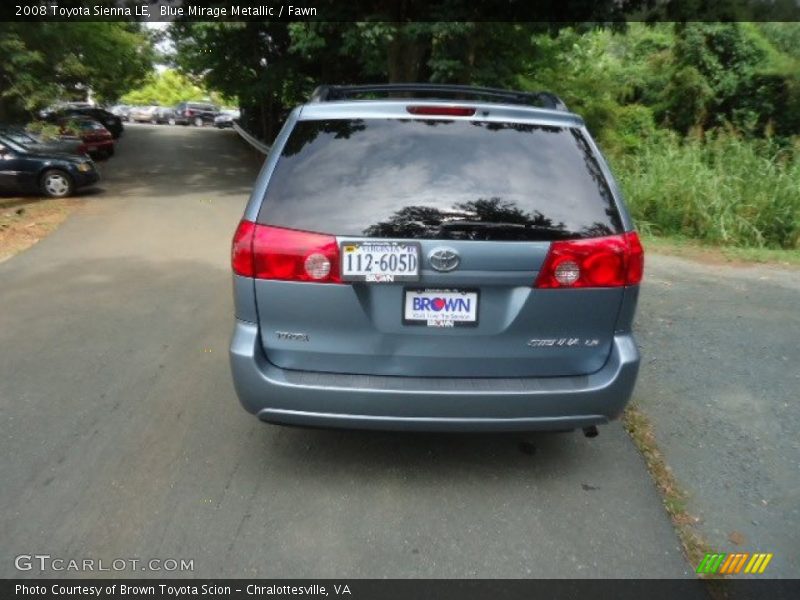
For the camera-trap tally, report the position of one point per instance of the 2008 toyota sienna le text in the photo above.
(442, 258)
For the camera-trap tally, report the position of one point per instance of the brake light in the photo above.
(635, 270)
(445, 111)
(189, 113)
(612, 261)
(242, 249)
(265, 252)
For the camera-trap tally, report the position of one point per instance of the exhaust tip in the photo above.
(590, 432)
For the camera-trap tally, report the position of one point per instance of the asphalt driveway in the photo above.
(121, 435)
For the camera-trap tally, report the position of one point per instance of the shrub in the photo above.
(721, 188)
(48, 131)
(629, 129)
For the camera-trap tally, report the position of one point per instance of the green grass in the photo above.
(723, 190)
(696, 249)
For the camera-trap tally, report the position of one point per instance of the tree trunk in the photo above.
(264, 121)
(405, 55)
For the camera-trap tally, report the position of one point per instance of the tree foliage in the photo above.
(51, 61)
(279, 64)
(691, 78)
(169, 87)
(249, 60)
(625, 81)
(718, 104)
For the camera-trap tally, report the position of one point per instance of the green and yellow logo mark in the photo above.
(731, 564)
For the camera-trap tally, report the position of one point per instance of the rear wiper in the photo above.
(516, 228)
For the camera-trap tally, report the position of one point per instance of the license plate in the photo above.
(441, 308)
(380, 262)
(92, 148)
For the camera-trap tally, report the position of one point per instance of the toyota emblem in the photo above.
(444, 259)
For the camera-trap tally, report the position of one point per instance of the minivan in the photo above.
(439, 258)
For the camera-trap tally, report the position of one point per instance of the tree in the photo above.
(687, 98)
(50, 61)
(713, 65)
(170, 87)
(278, 64)
(248, 60)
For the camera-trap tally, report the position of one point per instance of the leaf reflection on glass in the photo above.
(440, 179)
(340, 128)
(481, 219)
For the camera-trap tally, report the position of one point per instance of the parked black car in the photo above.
(31, 141)
(195, 113)
(165, 114)
(62, 106)
(110, 121)
(29, 171)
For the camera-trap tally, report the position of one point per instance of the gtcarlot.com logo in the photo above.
(46, 562)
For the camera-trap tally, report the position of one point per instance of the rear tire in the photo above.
(56, 183)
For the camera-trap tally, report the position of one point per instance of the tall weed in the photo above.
(717, 187)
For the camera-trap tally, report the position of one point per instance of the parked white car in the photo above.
(226, 118)
(143, 114)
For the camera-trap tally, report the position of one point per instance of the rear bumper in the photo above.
(429, 403)
(100, 147)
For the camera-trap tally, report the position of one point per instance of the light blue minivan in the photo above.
(435, 257)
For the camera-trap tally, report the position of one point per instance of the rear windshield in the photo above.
(432, 179)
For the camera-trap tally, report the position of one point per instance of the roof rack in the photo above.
(329, 93)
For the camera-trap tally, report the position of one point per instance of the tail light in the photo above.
(265, 252)
(189, 113)
(612, 261)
